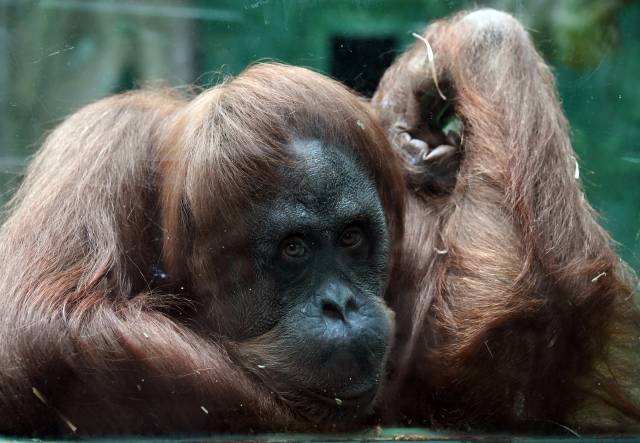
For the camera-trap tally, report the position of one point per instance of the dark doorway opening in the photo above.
(359, 62)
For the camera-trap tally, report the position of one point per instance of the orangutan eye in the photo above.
(351, 237)
(293, 247)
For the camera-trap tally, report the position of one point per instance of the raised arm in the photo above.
(522, 315)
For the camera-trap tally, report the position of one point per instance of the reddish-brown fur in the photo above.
(517, 313)
(144, 179)
(502, 322)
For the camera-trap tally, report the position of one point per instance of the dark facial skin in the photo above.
(315, 323)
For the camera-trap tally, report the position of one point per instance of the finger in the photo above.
(440, 153)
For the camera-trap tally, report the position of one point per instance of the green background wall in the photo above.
(57, 55)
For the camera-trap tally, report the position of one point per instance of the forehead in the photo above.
(324, 172)
(323, 184)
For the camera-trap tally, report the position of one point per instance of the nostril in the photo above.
(331, 310)
(351, 305)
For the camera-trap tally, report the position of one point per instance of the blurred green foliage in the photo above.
(57, 55)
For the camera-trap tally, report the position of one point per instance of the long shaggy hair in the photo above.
(513, 310)
(117, 238)
(521, 313)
